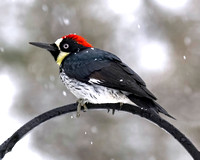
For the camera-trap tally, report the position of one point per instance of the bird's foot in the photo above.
(113, 110)
(81, 103)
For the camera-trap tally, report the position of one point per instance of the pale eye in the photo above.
(65, 46)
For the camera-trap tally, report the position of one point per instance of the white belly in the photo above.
(93, 93)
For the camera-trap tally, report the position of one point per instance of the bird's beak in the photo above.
(49, 47)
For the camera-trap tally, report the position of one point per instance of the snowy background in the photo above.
(159, 39)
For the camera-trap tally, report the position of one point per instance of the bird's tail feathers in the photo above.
(162, 110)
(148, 104)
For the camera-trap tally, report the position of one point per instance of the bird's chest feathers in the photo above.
(93, 93)
(61, 56)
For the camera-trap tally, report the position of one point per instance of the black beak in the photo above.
(49, 47)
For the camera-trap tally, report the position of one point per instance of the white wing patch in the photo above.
(94, 81)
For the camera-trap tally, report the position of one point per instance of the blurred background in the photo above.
(159, 39)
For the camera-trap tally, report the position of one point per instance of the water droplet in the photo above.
(184, 57)
(64, 93)
(45, 8)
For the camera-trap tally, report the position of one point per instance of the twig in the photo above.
(148, 114)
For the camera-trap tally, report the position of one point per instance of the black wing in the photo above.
(115, 76)
(105, 69)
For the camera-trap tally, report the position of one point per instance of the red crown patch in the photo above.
(78, 39)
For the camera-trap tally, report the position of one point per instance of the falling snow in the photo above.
(121, 80)
(66, 21)
(184, 57)
(91, 142)
(85, 133)
(138, 26)
(45, 8)
(92, 48)
(64, 93)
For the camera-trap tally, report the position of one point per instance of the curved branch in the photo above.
(148, 114)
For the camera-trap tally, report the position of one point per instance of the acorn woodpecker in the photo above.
(97, 76)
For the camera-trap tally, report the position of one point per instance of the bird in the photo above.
(97, 76)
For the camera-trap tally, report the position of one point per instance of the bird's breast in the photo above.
(93, 93)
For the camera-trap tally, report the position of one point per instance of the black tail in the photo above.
(148, 104)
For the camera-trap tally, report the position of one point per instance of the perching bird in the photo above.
(97, 76)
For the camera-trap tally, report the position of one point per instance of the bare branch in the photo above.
(148, 114)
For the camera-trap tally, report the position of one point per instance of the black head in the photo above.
(64, 46)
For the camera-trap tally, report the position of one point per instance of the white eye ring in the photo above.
(65, 46)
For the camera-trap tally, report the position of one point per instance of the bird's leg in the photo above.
(120, 107)
(81, 103)
(113, 111)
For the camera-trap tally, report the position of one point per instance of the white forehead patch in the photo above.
(58, 41)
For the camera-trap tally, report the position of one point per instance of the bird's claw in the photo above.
(81, 103)
(113, 110)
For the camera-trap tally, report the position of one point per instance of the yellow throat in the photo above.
(61, 56)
